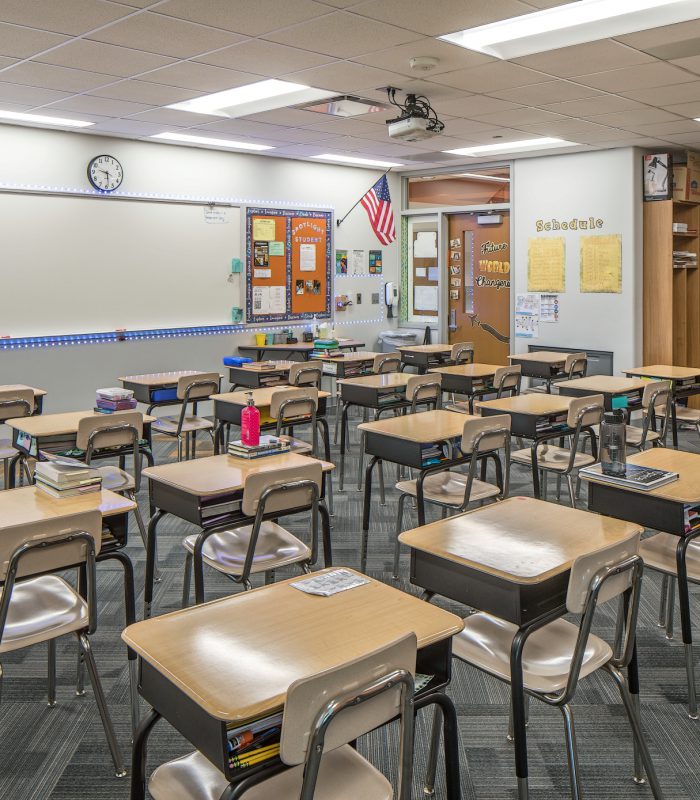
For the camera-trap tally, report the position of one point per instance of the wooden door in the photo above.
(478, 272)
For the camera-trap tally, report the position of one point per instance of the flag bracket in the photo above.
(340, 221)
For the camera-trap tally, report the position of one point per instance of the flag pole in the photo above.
(338, 222)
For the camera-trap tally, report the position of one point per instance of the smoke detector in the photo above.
(423, 63)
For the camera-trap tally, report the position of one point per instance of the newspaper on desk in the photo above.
(329, 583)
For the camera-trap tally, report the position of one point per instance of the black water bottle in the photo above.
(613, 443)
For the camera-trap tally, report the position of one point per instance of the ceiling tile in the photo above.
(85, 103)
(684, 138)
(520, 116)
(467, 127)
(641, 116)
(292, 117)
(242, 16)
(446, 16)
(490, 77)
(661, 129)
(6, 62)
(475, 105)
(46, 76)
(450, 57)
(335, 126)
(668, 96)
(169, 116)
(264, 58)
(201, 77)
(691, 110)
(167, 36)
(668, 34)
(24, 42)
(98, 57)
(540, 94)
(601, 104)
(144, 92)
(540, 4)
(28, 95)
(691, 63)
(341, 35)
(644, 76)
(242, 127)
(345, 76)
(602, 133)
(65, 16)
(130, 127)
(578, 60)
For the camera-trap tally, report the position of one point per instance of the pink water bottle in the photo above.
(250, 424)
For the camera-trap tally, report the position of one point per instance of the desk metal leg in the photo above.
(138, 755)
(366, 511)
(535, 471)
(684, 600)
(446, 711)
(10, 478)
(343, 436)
(150, 562)
(518, 709)
(326, 534)
(674, 423)
(420, 501)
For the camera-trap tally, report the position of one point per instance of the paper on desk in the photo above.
(330, 583)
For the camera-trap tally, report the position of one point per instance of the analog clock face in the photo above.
(105, 173)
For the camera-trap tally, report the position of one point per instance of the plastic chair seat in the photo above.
(633, 435)
(7, 450)
(168, 425)
(486, 642)
(42, 608)
(225, 551)
(344, 775)
(659, 553)
(461, 407)
(551, 457)
(447, 488)
(116, 480)
(690, 415)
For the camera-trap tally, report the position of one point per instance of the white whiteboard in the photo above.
(80, 265)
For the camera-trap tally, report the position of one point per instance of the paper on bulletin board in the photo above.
(527, 304)
(269, 299)
(358, 262)
(549, 308)
(425, 245)
(601, 264)
(546, 264)
(527, 326)
(262, 273)
(421, 272)
(263, 229)
(425, 298)
(307, 257)
(276, 248)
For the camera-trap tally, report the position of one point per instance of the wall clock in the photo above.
(105, 173)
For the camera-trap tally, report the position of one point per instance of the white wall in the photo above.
(58, 159)
(605, 185)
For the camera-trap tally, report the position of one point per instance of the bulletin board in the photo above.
(288, 264)
(425, 273)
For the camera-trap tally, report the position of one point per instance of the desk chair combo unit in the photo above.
(424, 356)
(550, 366)
(14, 403)
(462, 353)
(618, 393)
(481, 381)
(156, 389)
(301, 349)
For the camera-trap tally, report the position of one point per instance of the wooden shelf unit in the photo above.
(671, 296)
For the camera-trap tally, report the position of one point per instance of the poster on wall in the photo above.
(549, 308)
(657, 176)
(375, 262)
(527, 326)
(341, 262)
(546, 264)
(527, 304)
(358, 262)
(601, 264)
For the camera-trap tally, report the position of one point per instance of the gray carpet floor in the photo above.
(60, 753)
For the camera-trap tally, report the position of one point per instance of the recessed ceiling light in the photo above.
(190, 139)
(345, 106)
(542, 143)
(252, 99)
(42, 119)
(366, 162)
(574, 23)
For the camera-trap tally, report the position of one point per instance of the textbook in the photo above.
(636, 476)
(70, 474)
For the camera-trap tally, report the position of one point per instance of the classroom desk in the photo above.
(259, 374)
(685, 382)
(207, 492)
(512, 560)
(617, 392)
(424, 355)
(303, 349)
(402, 440)
(545, 364)
(534, 416)
(349, 365)
(221, 663)
(472, 380)
(144, 386)
(39, 394)
(661, 509)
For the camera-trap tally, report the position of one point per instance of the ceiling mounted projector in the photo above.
(418, 119)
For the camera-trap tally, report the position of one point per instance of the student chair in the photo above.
(559, 654)
(38, 605)
(291, 408)
(453, 491)
(656, 409)
(584, 414)
(386, 362)
(190, 389)
(462, 353)
(306, 373)
(263, 545)
(14, 403)
(323, 715)
(575, 366)
(506, 383)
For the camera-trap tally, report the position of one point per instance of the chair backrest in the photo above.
(306, 373)
(424, 388)
(576, 365)
(296, 402)
(462, 353)
(109, 430)
(386, 362)
(507, 379)
(199, 386)
(485, 433)
(280, 499)
(657, 394)
(585, 411)
(42, 559)
(16, 403)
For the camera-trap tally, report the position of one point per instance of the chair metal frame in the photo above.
(8, 402)
(649, 419)
(312, 367)
(197, 384)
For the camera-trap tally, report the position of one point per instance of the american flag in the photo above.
(377, 204)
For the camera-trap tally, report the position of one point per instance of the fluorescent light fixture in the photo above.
(345, 106)
(477, 176)
(208, 140)
(42, 119)
(571, 24)
(364, 162)
(523, 145)
(253, 98)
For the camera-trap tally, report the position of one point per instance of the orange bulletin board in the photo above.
(288, 264)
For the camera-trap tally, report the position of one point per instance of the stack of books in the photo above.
(684, 259)
(636, 476)
(691, 518)
(431, 454)
(254, 743)
(680, 227)
(326, 348)
(268, 446)
(66, 479)
(552, 423)
(110, 400)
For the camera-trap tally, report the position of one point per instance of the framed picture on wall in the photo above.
(657, 176)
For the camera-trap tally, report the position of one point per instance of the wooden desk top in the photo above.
(11, 387)
(685, 490)
(534, 404)
(522, 540)
(541, 356)
(236, 657)
(58, 424)
(469, 370)
(604, 384)
(261, 397)
(426, 348)
(156, 379)
(350, 357)
(30, 504)
(387, 380)
(425, 427)
(268, 366)
(664, 371)
(224, 474)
